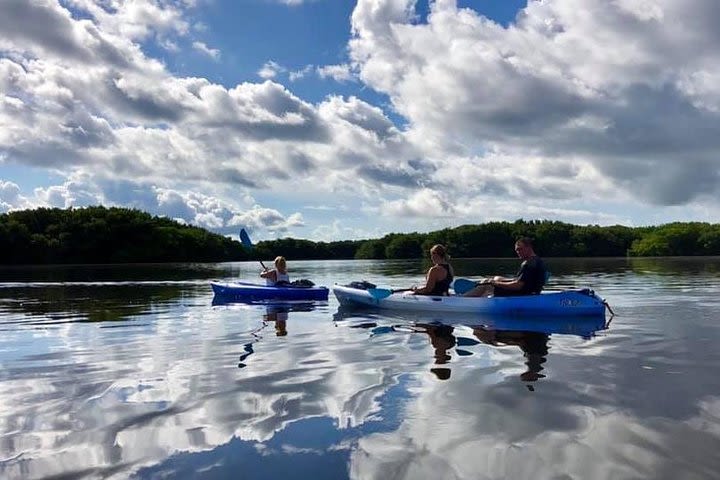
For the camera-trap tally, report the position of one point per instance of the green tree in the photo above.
(105, 235)
(404, 246)
(371, 249)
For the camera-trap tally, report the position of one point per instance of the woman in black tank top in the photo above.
(440, 275)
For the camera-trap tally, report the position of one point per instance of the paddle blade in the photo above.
(463, 285)
(245, 239)
(379, 293)
(381, 330)
(466, 342)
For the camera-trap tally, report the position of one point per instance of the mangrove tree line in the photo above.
(120, 235)
(496, 239)
(107, 235)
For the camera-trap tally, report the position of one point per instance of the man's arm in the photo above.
(508, 284)
(516, 283)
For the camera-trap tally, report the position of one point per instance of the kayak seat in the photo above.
(301, 283)
(361, 285)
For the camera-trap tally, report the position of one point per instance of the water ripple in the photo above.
(143, 377)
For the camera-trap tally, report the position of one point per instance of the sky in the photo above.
(340, 119)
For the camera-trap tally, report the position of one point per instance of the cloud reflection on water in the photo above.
(160, 392)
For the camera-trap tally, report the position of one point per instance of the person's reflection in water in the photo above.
(276, 315)
(442, 340)
(533, 344)
(279, 316)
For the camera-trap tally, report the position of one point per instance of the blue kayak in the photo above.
(251, 292)
(571, 303)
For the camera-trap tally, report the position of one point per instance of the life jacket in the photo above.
(280, 278)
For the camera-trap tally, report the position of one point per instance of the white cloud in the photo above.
(186, 206)
(137, 19)
(73, 193)
(423, 203)
(200, 27)
(169, 45)
(213, 53)
(294, 3)
(266, 218)
(336, 230)
(508, 120)
(340, 73)
(298, 74)
(640, 71)
(10, 197)
(270, 70)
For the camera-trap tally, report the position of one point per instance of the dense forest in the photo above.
(496, 239)
(107, 235)
(119, 235)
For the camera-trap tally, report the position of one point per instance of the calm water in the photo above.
(132, 372)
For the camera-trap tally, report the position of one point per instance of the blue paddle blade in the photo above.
(463, 285)
(466, 342)
(379, 293)
(245, 239)
(381, 330)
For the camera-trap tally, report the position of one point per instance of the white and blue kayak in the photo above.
(575, 303)
(252, 292)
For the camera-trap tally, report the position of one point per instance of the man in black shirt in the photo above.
(529, 280)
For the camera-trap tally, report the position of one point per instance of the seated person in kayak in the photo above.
(278, 275)
(529, 280)
(439, 276)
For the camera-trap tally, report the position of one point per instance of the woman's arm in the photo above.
(271, 274)
(434, 275)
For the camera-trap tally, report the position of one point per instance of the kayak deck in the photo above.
(577, 303)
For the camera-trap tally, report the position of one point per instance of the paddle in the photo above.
(245, 239)
(463, 285)
(380, 293)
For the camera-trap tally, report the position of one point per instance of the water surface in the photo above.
(133, 372)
